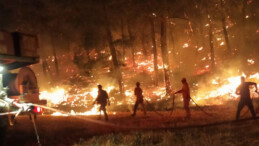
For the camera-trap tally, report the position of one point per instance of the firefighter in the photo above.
(103, 100)
(138, 93)
(186, 97)
(243, 91)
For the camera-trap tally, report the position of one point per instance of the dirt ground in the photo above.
(68, 130)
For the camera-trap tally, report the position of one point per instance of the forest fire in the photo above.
(223, 89)
(168, 58)
(217, 92)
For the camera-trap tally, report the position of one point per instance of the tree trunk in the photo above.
(131, 43)
(245, 27)
(223, 20)
(165, 54)
(45, 68)
(117, 70)
(202, 33)
(212, 55)
(55, 55)
(173, 42)
(143, 42)
(153, 37)
(244, 17)
(122, 40)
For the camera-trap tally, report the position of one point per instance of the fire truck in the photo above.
(18, 82)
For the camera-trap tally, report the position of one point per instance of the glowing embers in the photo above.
(93, 111)
(185, 45)
(74, 97)
(250, 61)
(200, 49)
(55, 96)
(145, 64)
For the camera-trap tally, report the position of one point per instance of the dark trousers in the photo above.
(136, 106)
(103, 108)
(241, 104)
(186, 102)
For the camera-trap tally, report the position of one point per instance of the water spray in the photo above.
(85, 119)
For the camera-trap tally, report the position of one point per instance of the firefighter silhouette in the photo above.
(243, 91)
(186, 97)
(103, 100)
(139, 100)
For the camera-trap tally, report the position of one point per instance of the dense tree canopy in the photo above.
(200, 33)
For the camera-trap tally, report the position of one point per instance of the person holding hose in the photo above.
(186, 97)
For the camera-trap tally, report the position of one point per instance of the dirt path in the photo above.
(62, 130)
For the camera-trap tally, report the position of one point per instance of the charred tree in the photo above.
(245, 32)
(143, 42)
(55, 55)
(202, 33)
(244, 19)
(131, 43)
(153, 38)
(45, 68)
(122, 40)
(165, 53)
(211, 42)
(173, 41)
(223, 20)
(117, 71)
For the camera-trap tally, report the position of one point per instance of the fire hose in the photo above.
(172, 105)
(154, 110)
(194, 103)
(201, 108)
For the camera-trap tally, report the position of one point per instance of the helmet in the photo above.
(99, 86)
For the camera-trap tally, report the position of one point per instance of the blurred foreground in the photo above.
(154, 129)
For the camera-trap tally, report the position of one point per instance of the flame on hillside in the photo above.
(214, 92)
(218, 91)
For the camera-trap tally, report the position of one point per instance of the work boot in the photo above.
(106, 117)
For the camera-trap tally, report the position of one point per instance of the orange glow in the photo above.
(223, 88)
(185, 45)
